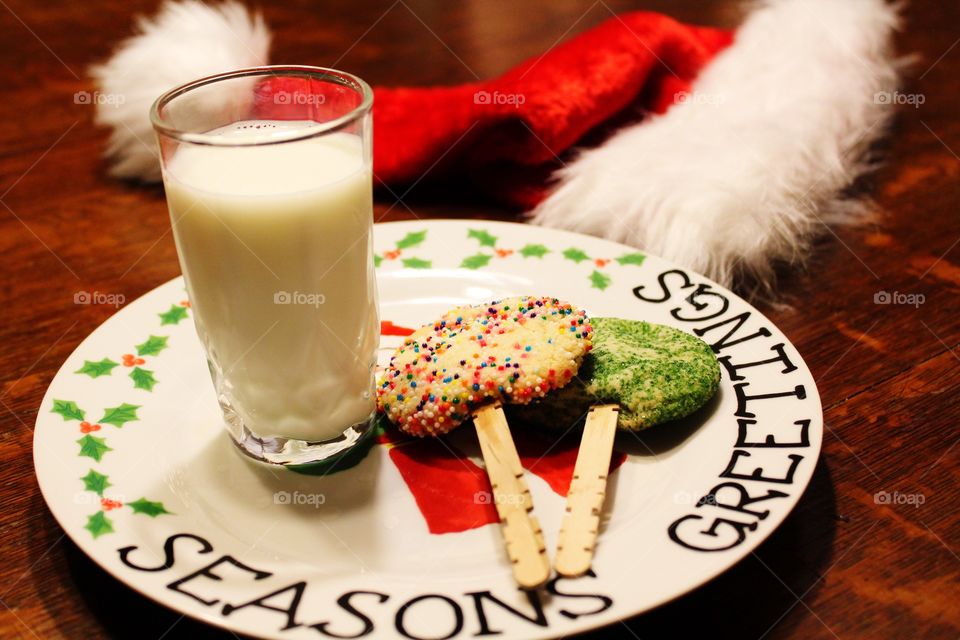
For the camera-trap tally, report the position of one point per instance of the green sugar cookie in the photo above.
(655, 373)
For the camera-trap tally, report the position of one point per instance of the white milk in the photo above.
(254, 223)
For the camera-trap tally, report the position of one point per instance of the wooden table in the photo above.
(841, 565)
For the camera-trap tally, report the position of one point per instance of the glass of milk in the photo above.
(267, 173)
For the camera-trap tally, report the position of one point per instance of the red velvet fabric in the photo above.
(505, 135)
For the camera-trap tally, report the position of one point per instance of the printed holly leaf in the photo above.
(576, 255)
(68, 409)
(475, 261)
(143, 379)
(97, 369)
(153, 346)
(99, 524)
(95, 482)
(174, 315)
(416, 263)
(599, 280)
(483, 237)
(117, 416)
(412, 239)
(377, 260)
(93, 447)
(534, 251)
(632, 258)
(152, 509)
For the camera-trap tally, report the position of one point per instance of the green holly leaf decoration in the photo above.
(534, 251)
(483, 237)
(475, 261)
(174, 315)
(99, 524)
(93, 447)
(377, 260)
(97, 369)
(412, 239)
(599, 280)
(95, 482)
(416, 263)
(68, 409)
(143, 379)
(577, 255)
(632, 258)
(152, 509)
(120, 415)
(153, 346)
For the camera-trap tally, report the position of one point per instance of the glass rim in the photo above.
(161, 126)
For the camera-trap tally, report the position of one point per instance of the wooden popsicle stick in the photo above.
(581, 522)
(506, 450)
(521, 531)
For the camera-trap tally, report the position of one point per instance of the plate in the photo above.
(132, 461)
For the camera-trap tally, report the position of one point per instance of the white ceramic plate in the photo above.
(133, 462)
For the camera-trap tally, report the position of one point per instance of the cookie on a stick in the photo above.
(638, 375)
(467, 365)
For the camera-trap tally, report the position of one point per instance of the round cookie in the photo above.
(655, 373)
(514, 350)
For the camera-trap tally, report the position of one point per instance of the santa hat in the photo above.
(726, 152)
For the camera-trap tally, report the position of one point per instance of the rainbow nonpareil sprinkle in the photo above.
(514, 350)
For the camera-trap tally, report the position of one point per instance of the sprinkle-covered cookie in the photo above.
(515, 350)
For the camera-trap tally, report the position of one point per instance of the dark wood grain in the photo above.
(841, 565)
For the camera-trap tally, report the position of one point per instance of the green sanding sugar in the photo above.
(655, 373)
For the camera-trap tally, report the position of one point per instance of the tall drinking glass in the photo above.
(267, 173)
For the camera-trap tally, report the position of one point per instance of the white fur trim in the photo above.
(185, 41)
(745, 171)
